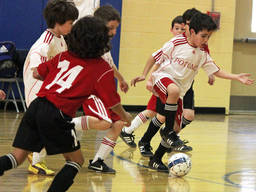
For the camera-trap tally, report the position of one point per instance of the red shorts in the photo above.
(152, 103)
(161, 89)
(93, 106)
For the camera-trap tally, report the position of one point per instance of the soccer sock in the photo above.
(7, 162)
(160, 150)
(64, 179)
(81, 123)
(136, 123)
(107, 145)
(153, 127)
(185, 122)
(170, 112)
(38, 157)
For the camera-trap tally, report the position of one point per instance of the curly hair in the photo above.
(59, 11)
(88, 38)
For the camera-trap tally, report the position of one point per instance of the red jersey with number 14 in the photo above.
(69, 80)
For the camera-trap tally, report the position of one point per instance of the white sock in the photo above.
(38, 157)
(136, 123)
(106, 146)
(81, 124)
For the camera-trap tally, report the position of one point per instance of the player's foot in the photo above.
(172, 139)
(128, 139)
(100, 166)
(184, 148)
(145, 149)
(157, 164)
(40, 169)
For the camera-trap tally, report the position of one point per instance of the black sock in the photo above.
(185, 122)
(64, 179)
(7, 162)
(153, 128)
(160, 151)
(170, 113)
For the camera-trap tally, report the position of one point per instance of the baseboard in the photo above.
(243, 103)
(198, 110)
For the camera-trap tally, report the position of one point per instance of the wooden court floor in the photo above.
(223, 160)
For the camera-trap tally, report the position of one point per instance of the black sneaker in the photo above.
(145, 149)
(184, 148)
(172, 139)
(128, 139)
(157, 164)
(100, 166)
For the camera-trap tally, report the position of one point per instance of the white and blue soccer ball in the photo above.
(179, 165)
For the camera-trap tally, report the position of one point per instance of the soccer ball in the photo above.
(179, 164)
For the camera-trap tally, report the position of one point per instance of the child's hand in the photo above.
(243, 78)
(127, 119)
(123, 86)
(137, 79)
(2, 95)
(211, 79)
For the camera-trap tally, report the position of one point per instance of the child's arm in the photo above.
(2, 95)
(148, 66)
(242, 77)
(36, 74)
(122, 83)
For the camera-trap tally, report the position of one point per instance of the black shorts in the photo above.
(45, 126)
(188, 99)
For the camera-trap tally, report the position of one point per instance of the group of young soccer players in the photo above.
(60, 75)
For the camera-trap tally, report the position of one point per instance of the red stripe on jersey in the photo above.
(180, 43)
(31, 90)
(104, 74)
(46, 36)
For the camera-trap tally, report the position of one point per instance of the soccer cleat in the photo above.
(128, 139)
(172, 139)
(40, 169)
(100, 167)
(30, 157)
(145, 149)
(157, 164)
(184, 148)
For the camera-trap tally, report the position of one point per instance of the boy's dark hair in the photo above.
(189, 13)
(88, 38)
(201, 21)
(178, 19)
(107, 13)
(59, 11)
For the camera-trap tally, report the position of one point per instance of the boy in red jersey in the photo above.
(59, 16)
(178, 62)
(69, 79)
(2, 95)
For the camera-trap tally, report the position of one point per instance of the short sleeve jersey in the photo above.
(45, 48)
(69, 80)
(180, 62)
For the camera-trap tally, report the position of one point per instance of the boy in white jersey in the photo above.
(179, 61)
(154, 107)
(59, 16)
(2, 95)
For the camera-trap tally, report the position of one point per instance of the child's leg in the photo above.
(107, 145)
(65, 177)
(139, 120)
(12, 160)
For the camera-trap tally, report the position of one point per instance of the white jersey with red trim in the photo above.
(180, 62)
(108, 58)
(45, 48)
